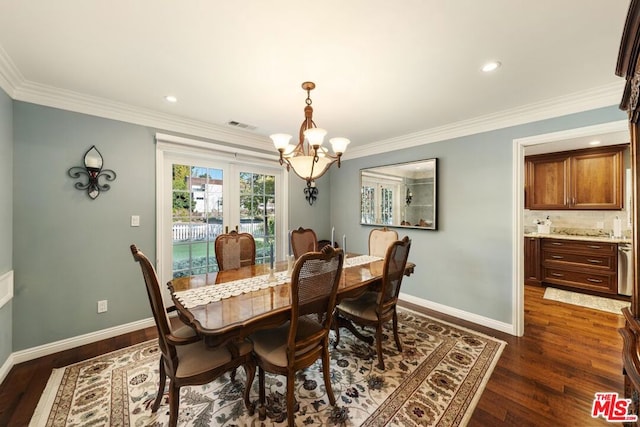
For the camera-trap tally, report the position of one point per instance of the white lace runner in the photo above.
(212, 293)
(360, 259)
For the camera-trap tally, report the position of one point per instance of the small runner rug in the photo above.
(435, 381)
(590, 301)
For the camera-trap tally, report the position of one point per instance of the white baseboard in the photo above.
(66, 344)
(6, 367)
(460, 314)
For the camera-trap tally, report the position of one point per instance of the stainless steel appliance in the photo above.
(625, 269)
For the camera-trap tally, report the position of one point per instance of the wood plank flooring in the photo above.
(548, 377)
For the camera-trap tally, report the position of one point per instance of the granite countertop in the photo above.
(579, 237)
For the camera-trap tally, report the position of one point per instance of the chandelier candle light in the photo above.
(309, 160)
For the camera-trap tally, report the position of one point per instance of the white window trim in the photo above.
(186, 147)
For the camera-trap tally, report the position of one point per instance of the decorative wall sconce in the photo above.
(311, 192)
(93, 170)
(409, 197)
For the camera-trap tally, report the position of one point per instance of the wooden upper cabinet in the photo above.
(588, 179)
(547, 182)
(596, 180)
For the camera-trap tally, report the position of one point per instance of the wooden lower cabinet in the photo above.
(532, 267)
(584, 265)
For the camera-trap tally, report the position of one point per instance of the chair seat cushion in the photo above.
(271, 344)
(363, 306)
(197, 357)
(183, 331)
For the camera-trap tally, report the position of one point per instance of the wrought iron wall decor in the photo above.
(311, 192)
(93, 170)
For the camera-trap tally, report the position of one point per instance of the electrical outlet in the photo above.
(102, 306)
(135, 220)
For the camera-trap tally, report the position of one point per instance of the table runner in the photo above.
(212, 293)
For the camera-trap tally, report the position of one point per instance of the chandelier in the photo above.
(309, 159)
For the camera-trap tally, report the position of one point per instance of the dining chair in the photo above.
(375, 308)
(379, 241)
(302, 340)
(234, 250)
(303, 240)
(188, 361)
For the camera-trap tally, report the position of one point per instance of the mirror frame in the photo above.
(394, 176)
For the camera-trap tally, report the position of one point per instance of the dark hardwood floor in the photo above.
(548, 377)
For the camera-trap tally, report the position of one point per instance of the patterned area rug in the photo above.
(436, 381)
(590, 301)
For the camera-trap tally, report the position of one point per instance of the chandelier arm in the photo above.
(313, 165)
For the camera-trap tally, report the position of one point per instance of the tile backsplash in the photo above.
(583, 223)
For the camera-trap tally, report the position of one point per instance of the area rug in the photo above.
(435, 381)
(590, 301)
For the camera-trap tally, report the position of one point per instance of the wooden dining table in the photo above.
(238, 316)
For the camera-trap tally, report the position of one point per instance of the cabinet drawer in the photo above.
(579, 246)
(597, 261)
(586, 280)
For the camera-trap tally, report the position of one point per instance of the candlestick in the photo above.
(333, 230)
(290, 248)
(271, 254)
(344, 243)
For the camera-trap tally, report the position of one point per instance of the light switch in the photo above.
(135, 220)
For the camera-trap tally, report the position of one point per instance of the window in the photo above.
(205, 190)
(380, 202)
(197, 218)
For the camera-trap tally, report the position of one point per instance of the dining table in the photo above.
(231, 304)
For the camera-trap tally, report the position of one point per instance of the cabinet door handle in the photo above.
(557, 274)
(595, 261)
(595, 247)
(594, 280)
(557, 257)
(556, 243)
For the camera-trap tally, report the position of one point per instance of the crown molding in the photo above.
(602, 96)
(10, 77)
(100, 107)
(18, 88)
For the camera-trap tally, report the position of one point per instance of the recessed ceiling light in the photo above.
(171, 98)
(491, 66)
(594, 143)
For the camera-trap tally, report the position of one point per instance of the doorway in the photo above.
(556, 141)
(204, 190)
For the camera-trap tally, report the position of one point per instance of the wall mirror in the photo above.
(399, 195)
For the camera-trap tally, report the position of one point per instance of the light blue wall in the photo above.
(6, 217)
(316, 216)
(467, 263)
(70, 251)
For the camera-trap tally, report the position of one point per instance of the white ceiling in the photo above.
(383, 69)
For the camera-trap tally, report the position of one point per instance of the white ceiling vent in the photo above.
(241, 125)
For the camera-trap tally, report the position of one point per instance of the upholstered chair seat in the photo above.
(363, 307)
(272, 344)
